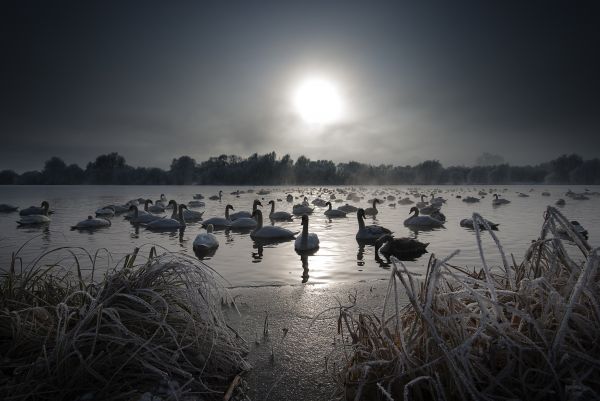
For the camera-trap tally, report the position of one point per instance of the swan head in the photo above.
(45, 205)
(257, 202)
(328, 204)
(90, 217)
(172, 202)
(229, 207)
(148, 202)
(181, 207)
(271, 202)
(414, 209)
(360, 212)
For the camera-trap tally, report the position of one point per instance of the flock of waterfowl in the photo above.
(425, 213)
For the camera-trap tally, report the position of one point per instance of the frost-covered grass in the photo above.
(145, 328)
(528, 331)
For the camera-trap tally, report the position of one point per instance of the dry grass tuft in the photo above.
(527, 331)
(152, 328)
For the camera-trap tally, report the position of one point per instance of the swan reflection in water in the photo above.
(304, 259)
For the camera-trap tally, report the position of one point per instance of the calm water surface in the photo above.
(244, 263)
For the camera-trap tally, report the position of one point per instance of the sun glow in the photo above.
(317, 101)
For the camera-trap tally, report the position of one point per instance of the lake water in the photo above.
(244, 263)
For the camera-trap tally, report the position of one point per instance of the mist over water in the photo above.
(242, 262)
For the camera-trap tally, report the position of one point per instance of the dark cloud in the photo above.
(426, 80)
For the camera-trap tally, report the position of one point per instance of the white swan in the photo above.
(205, 242)
(107, 211)
(192, 215)
(333, 212)
(372, 211)
(469, 224)
(91, 223)
(368, 233)
(171, 223)
(4, 208)
(141, 218)
(499, 201)
(421, 221)
(243, 223)
(158, 208)
(429, 209)
(470, 199)
(401, 248)
(306, 241)
(302, 208)
(162, 201)
(215, 197)
(35, 219)
(348, 208)
(196, 203)
(219, 221)
(36, 210)
(269, 232)
(279, 216)
(422, 204)
(239, 215)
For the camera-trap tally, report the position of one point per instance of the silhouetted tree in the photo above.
(54, 171)
(182, 170)
(560, 168)
(8, 177)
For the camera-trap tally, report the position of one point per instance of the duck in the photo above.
(333, 212)
(348, 208)
(140, 218)
(35, 210)
(401, 248)
(421, 221)
(278, 216)
(306, 241)
(269, 232)
(217, 197)
(368, 233)
(91, 223)
(172, 223)
(499, 201)
(5, 208)
(289, 198)
(219, 221)
(469, 224)
(205, 243)
(372, 211)
(239, 215)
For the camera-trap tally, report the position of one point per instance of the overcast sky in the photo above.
(419, 80)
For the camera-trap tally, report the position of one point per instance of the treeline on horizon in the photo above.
(267, 169)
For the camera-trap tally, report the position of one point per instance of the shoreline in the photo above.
(292, 366)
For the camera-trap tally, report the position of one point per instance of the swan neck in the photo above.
(361, 222)
(259, 222)
(272, 207)
(305, 229)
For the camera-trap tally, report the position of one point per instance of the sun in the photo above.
(317, 101)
